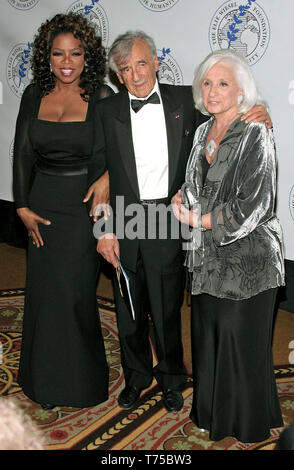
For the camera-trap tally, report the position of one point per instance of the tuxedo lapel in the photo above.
(174, 116)
(123, 130)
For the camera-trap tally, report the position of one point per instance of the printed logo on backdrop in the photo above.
(291, 202)
(158, 5)
(23, 4)
(169, 71)
(94, 12)
(243, 26)
(18, 69)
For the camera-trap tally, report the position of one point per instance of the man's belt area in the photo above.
(148, 202)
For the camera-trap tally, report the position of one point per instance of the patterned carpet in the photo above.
(106, 427)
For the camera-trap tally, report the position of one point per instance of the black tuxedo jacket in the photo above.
(118, 152)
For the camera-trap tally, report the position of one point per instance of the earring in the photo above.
(50, 67)
(240, 99)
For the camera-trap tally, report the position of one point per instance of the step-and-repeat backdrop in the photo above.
(185, 31)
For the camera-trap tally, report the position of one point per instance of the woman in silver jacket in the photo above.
(234, 257)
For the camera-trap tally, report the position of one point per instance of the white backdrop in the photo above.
(185, 31)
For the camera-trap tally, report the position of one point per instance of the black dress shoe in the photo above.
(128, 397)
(172, 400)
(47, 406)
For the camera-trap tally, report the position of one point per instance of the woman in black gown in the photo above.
(63, 359)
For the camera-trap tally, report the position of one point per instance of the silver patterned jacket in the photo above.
(242, 254)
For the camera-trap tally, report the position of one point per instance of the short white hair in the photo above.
(240, 68)
(123, 44)
(17, 430)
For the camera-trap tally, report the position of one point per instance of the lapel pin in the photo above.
(177, 116)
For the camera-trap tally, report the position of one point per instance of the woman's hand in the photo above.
(31, 221)
(206, 221)
(184, 215)
(100, 192)
(176, 203)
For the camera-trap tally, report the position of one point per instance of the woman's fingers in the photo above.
(35, 232)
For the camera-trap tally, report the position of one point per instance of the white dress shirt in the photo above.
(150, 147)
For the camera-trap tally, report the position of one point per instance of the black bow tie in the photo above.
(138, 104)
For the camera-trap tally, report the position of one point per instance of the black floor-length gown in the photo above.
(63, 359)
(235, 392)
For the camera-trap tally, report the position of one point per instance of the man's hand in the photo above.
(108, 247)
(31, 221)
(100, 192)
(258, 114)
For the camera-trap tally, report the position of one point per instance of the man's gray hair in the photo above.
(240, 68)
(122, 46)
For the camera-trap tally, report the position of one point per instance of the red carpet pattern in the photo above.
(107, 427)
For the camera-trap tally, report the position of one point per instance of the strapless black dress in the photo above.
(63, 359)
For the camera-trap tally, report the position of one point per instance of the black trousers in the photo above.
(157, 289)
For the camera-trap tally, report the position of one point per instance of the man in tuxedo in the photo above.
(146, 146)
